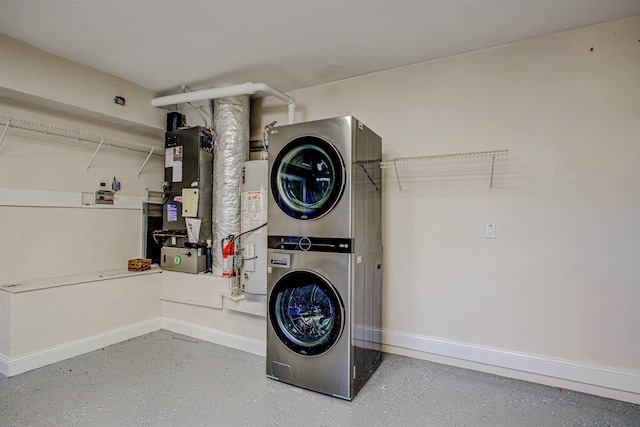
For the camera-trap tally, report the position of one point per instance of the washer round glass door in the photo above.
(306, 312)
(307, 178)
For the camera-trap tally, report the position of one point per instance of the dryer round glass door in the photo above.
(306, 312)
(307, 178)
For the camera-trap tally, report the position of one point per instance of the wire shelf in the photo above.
(13, 122)
(446, 159)
(29, 125)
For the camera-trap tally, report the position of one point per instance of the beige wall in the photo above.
(47, 318)
(33, 75)
(196, 303)
(40, 242)
(5, 323)
(561, 279)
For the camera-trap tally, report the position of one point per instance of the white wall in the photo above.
(46, 318)
(43, 322)
(32, 75)
(40, 242)
(561, 280)
(5, 323)
(194, 305)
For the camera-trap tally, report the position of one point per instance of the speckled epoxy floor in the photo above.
(166, 379)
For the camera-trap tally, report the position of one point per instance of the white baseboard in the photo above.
(4, 365)
(543, 369)
(215, 336)
(627, 381)
(17, 365)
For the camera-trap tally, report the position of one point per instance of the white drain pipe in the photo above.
(248, 88)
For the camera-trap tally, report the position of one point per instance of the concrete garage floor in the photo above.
(166, 379)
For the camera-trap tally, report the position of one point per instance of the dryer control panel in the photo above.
(314, 244)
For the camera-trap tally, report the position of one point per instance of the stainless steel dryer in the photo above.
(312, 176)
(324, 272)
(323, 328)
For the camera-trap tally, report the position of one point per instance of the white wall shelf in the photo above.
(62, 199)
(16, 123)
(446, 159)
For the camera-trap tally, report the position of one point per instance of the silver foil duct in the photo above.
(231, 121)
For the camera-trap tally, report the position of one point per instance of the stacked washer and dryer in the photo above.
(324, 272)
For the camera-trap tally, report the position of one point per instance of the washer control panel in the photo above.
(314, 244)
(278, 261)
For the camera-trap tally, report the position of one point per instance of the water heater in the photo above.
(253, 212)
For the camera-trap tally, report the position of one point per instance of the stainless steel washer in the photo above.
(323, 327)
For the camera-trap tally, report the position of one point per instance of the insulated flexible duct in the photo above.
(231, 119)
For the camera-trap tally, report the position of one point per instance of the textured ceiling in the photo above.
(288, 44)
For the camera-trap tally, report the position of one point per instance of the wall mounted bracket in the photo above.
(86, 168)
(6, 128)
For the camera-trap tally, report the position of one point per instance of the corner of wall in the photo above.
(26, 76)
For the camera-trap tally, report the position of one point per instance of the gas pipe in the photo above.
(227, 258)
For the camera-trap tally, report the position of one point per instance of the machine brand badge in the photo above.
(176, 260)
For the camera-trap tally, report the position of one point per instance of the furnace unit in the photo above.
(187, 199)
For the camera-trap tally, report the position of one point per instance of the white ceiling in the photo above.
(288, 44)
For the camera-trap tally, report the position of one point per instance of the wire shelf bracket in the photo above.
(16, 123)
(4, 133)
(144, 163)
(86, 168)
(446, 159)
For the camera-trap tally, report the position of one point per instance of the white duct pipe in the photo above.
(248, 88)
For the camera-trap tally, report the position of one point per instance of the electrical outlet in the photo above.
(490, 231)
(88, 198)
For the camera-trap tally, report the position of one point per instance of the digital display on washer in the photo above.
(306, 312)
(307, 178)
